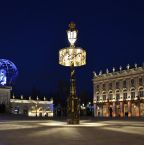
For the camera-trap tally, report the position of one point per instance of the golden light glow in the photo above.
(72, 37)
(72, 56)
(72, 33)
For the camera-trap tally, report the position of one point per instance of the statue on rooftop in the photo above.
(113, 69)
(94, 74)
(128, 67)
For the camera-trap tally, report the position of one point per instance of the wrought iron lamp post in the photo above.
(72, 57)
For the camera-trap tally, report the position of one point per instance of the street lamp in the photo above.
(72, 57)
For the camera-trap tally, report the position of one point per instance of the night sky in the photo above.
(32, 32)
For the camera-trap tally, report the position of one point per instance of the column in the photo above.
(95, 110)
(129, 109)
(121, 109)
(139, 108)
(136, 84)
(114, 109)
(108, 114)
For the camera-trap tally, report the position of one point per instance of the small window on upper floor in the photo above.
(132, 82)
(103, 86)
(97, 87)
(117, 85)
(140, 81)
(110, 86)
(124, 84)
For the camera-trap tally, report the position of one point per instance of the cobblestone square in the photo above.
(54, 132)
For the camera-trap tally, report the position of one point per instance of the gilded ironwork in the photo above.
(72, 57)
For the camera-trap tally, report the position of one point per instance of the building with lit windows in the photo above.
(31, 107)
(8, 74)
(119, 93)
(25, 106)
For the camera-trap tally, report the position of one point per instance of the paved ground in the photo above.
(54, 132)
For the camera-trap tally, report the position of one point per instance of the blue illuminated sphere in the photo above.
(8, 72)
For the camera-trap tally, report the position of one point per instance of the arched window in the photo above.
(141, 92)
(125, 94)
(104, 95)
(110, 95)
(97, 95)
(117, 95)
(132, 93)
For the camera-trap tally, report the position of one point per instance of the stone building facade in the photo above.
(119, 93)
(24, 105)
(30, 107)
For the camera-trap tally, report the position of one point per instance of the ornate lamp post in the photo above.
(72, 57)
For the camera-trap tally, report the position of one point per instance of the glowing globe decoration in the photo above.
(8, 72)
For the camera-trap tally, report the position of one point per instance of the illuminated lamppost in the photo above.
(72, 57)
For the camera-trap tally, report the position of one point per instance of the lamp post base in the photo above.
(73, 111)
(73, 101)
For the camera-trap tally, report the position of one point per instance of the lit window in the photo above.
(117, 95)
(125, 94)
(104, 96)
(132, 93)
(110, 95)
